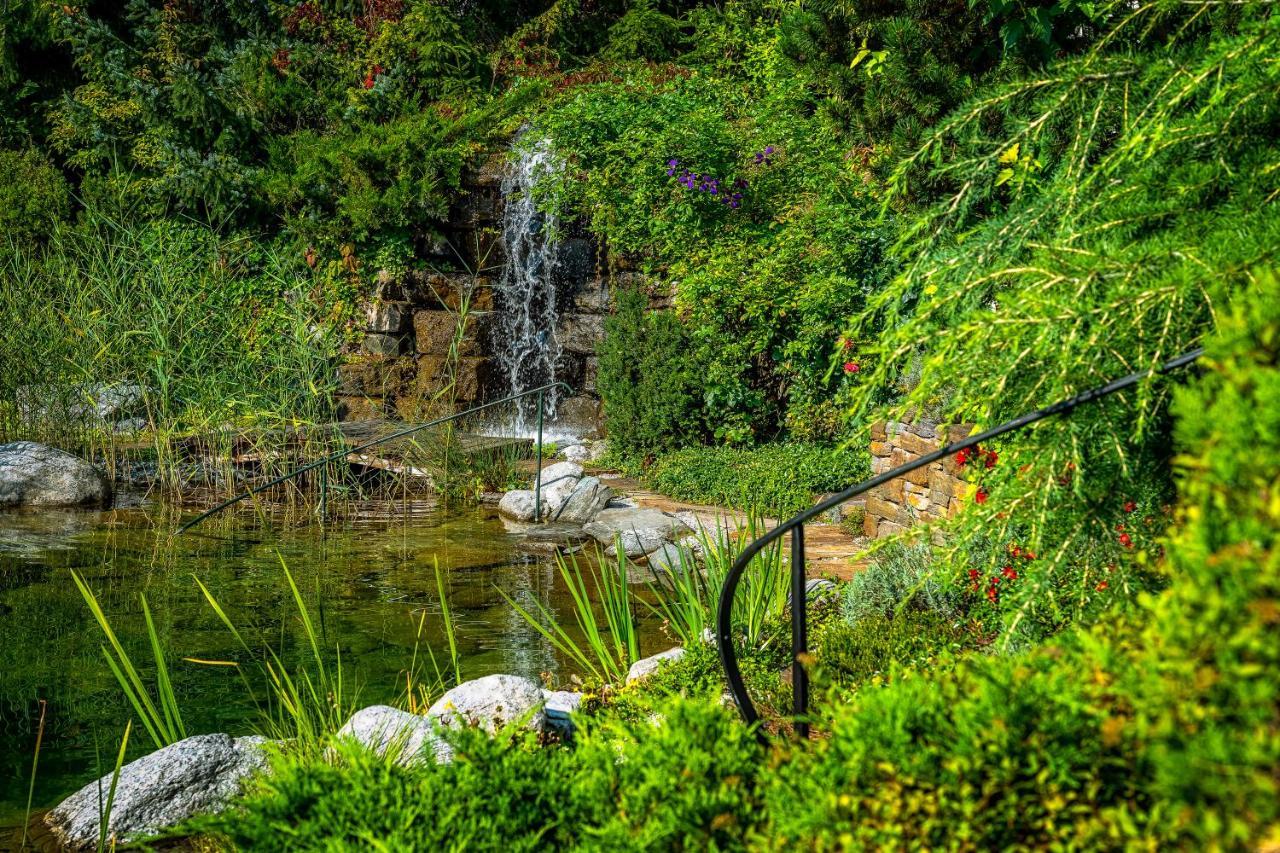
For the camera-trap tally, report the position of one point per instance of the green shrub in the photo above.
(33, 196)
(781, 479)
(849, 654)
(649, 386)
(898, 574)
(1158, 728)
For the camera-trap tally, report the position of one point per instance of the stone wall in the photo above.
(411, 320)
(924, 495)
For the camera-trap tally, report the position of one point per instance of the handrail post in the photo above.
(537, 480)
(799, 633)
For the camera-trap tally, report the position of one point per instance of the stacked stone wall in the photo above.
(925, 495)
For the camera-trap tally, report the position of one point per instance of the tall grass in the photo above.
(686, 600)
(160, 716)
(233, 344)
(611, 640)
(35, 765)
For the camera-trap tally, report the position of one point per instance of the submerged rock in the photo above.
(387, 731)
(646, 667)
(38, 475)
(491, 703)
(640, 530)
(198, 775)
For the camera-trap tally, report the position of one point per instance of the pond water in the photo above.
(368, 581)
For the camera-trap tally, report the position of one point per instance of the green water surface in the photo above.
(368, 580)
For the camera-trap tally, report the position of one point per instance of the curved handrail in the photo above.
(724, 609)
(310, 466)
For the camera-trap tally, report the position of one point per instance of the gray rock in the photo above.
(558, 484)
(517, 505)
(491, 703)
(816, 588)
(129, 426)
(671, 558)
(560, 706)
(387, 318)
(93, 402)
(198, 775)
(589, 497)
(646, 667)
(640, 530)
(576, 453)
(378, 344)
(38, 475)
(409, 738)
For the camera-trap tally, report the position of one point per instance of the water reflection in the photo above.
(368, 581)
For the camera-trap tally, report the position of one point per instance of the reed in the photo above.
(686, 600)
(35, 764)
(611, 641)
(160, 716)
(104, 810)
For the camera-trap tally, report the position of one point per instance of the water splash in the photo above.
(525, 344)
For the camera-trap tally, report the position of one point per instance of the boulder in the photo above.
(576, 453)
(517, 505)
(198, 775)
(95, 402)
(646, 667)
(671, 558)
(560, 706)
(409, 738)
(491, 703)
(558, 484)
(640, 530)
(589, 497)
(38, 475)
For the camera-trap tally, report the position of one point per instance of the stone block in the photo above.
(918, 501)
(576, 263)
(386, 318)
(361, 409)
(908, 440)
(878, 431)
(881, 508)
(941, 485)
(891, 491)
(881, 448)
(434, 332)
(593, 297)
(888, 528)
(580, 333)
(384, 345)
(869, 525)
(880, 464)
(437, 290)
(375, 376)
(590, 373)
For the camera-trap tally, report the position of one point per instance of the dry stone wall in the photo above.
(921, 496)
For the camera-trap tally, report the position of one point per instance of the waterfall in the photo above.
(525, 344)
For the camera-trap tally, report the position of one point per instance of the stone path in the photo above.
(830, 550)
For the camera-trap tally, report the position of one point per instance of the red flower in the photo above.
(1010, 572)
(980, 496)
(1130, 506)
(973, 574)
(1126, 540)
(1101, 586)
(851, 367)
(993, 594)
(368, 81)
(966, 454)
(846, 344)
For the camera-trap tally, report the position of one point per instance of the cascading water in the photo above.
(525, 344)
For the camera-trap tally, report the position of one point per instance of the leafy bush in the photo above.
(33, 196)
(850, 654)
(777, 478)
(648, 383)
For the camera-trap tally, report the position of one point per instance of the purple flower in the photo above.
(768, 149)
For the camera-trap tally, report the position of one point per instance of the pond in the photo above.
(369, 582)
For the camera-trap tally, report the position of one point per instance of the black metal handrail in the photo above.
(795, 526)
(311, 466)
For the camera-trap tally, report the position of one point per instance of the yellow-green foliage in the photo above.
(1160, 728)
